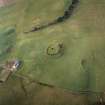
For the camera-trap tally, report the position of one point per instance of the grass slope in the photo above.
(81, 67)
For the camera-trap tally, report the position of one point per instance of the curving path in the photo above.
(60, 19)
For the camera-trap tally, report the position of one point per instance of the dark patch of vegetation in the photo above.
(99, 103)
(10, 31)
(6, 41)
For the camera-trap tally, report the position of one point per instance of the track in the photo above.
(67, 14)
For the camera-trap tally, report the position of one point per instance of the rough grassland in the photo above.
(81, 66)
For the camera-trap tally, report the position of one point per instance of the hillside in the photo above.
(69, 55)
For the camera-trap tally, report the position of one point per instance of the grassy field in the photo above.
(81, 66)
